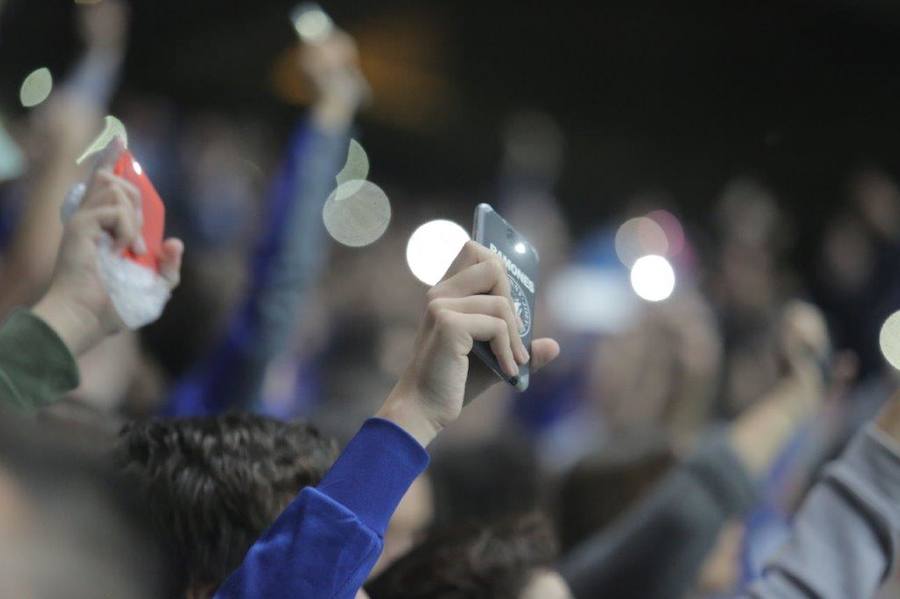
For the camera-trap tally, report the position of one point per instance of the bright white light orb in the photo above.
(311, 23)
(137, 167)
(889, 340)
(653, 278)
(432, 248)
(519, 248)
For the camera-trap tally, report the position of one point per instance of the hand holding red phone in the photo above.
(78, 304)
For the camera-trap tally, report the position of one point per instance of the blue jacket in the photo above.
(326, 542)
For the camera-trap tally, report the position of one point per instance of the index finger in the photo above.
(471, 254)
(475, 270)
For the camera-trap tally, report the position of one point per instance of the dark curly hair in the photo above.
(213, 485)
(471, 562)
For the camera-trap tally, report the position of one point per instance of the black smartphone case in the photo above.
(522, 260)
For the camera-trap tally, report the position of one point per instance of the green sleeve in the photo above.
(36, 367)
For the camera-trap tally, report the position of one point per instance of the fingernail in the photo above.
(525, 356)
(512, 368)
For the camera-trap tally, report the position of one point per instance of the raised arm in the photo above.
(38, 347)
(63, 127)
(292, 245)
(671, 532)
(327, 541)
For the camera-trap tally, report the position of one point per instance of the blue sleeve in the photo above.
(286, 264)
(328, 539)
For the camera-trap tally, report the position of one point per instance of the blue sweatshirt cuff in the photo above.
(374, 472)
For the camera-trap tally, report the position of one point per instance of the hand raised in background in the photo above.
(331, 66)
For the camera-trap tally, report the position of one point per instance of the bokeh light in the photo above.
(889, 340)
(311, 23)
(112, 127)
(36, 87)
(672, 229)
(638, 237)
(592, 300)
(359, 218)
(355, 171)
(653, 278)
(432, 248)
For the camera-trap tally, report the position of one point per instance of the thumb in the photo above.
(543, 351)
(170, 261)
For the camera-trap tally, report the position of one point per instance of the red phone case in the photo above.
(154, 210)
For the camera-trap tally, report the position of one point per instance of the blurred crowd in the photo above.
(665, 453)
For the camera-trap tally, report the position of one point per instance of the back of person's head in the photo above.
(70, 526)
(508, 560)
(602, 487)
(215, 484)
(484, 481)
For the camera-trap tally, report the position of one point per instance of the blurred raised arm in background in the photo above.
(657, 548)
(60, 130)
(292, 246)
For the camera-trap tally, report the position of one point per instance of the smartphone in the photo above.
(521, 259)
(154, 211)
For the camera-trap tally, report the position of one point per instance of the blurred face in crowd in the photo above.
(662, 371)
(847, 254)
(752, 237)
(878, 200)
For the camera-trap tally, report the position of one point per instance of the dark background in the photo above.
(650, 93)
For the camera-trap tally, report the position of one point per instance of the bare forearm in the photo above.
(405, 412)
(759, 434)
(34, 246)
(888, 420)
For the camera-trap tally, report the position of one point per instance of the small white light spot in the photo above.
(433, 247)
(519, 247)
(889, 340)
(36, 87)
(311, 23)
(653, 278)
(137, 167)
